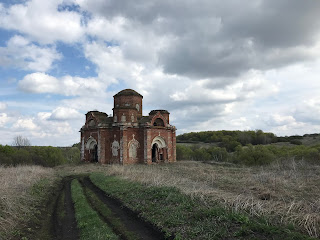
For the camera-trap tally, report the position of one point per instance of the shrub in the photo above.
(253, 155)
(295, 142)
(218, 154)
(184, 152)
(44, 156)
(201, 154)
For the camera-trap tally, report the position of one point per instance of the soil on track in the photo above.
(67, 228)
(60, 223)
(130, 219)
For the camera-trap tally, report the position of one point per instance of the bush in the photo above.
(253, 155)
(201, 154)
(218, 154)
(295, 142)
(184, 152)
(44, 156)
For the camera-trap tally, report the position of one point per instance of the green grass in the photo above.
(88, 220)
(107, 214)
(39, 224)
(186, 217)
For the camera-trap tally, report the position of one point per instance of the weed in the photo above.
(189, 218)
(107, 214)
(22, 191)
(88, 221)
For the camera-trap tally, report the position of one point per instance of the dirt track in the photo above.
(64, 225)
(130, 219)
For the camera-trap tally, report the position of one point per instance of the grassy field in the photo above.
(22, 192)
(89, 222)
(283, 193)
(242, 202)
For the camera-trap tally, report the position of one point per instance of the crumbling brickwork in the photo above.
(128, 137)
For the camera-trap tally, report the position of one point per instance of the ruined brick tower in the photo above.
(128, 137)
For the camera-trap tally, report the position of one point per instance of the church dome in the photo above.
(128, 92)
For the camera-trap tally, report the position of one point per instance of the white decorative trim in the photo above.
(91, 142)
(159, 141)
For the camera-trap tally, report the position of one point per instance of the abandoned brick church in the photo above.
(128, 137)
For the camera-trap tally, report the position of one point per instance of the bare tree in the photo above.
(20, 141)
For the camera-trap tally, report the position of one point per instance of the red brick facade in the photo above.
(128, 137)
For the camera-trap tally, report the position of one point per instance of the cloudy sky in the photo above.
(213, 64)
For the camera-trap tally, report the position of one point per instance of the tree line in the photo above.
(250, 154)
(39, 155)
(231, 139)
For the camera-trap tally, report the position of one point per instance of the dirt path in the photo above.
(59, 222)
(133, 223)
(64, 216)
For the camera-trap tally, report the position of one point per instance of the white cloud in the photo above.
(21, 53)
(25, 124)
(67, 85)
(3, 119)
(63, 113)
(102, 102)
(279, 120)
(309, 110)
(213, 66)
(42, 21)
(3, 106)
(40, 129)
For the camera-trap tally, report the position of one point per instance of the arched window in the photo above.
(133, 148)
(92, 123)
(158, 122)
(123, 118)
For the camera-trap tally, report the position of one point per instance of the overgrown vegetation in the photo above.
(279, 186)
(44, 156)
(186, 217)
(113, 221)
(231, 139)
(228, 138)
(250, 155)
(24, 191)
(88, 220)
(285, 192)
(282, 193)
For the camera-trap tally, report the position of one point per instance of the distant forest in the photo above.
(231, 139)
(44, 156)
(246, 147)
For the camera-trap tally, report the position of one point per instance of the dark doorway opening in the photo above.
(94, 154)
(154, 152)
(158, 122)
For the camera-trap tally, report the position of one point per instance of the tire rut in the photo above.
(66, 226)
(130, 219)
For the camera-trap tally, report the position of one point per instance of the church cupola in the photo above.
(127, 106)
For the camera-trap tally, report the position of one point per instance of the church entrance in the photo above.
(159, 150)
(92, 146)
(94, 154)
(155, 151)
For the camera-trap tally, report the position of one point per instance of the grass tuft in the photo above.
(22, 190)
(188, 217)
(88, 220)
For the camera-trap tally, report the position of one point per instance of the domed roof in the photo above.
(153, 112)
(128, 92)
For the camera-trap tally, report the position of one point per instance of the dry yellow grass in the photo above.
(291, 189)
(15, 198)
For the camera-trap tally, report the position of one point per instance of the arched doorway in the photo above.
(92, 147)
(159, 149)
(155, 152)
(94, 154)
